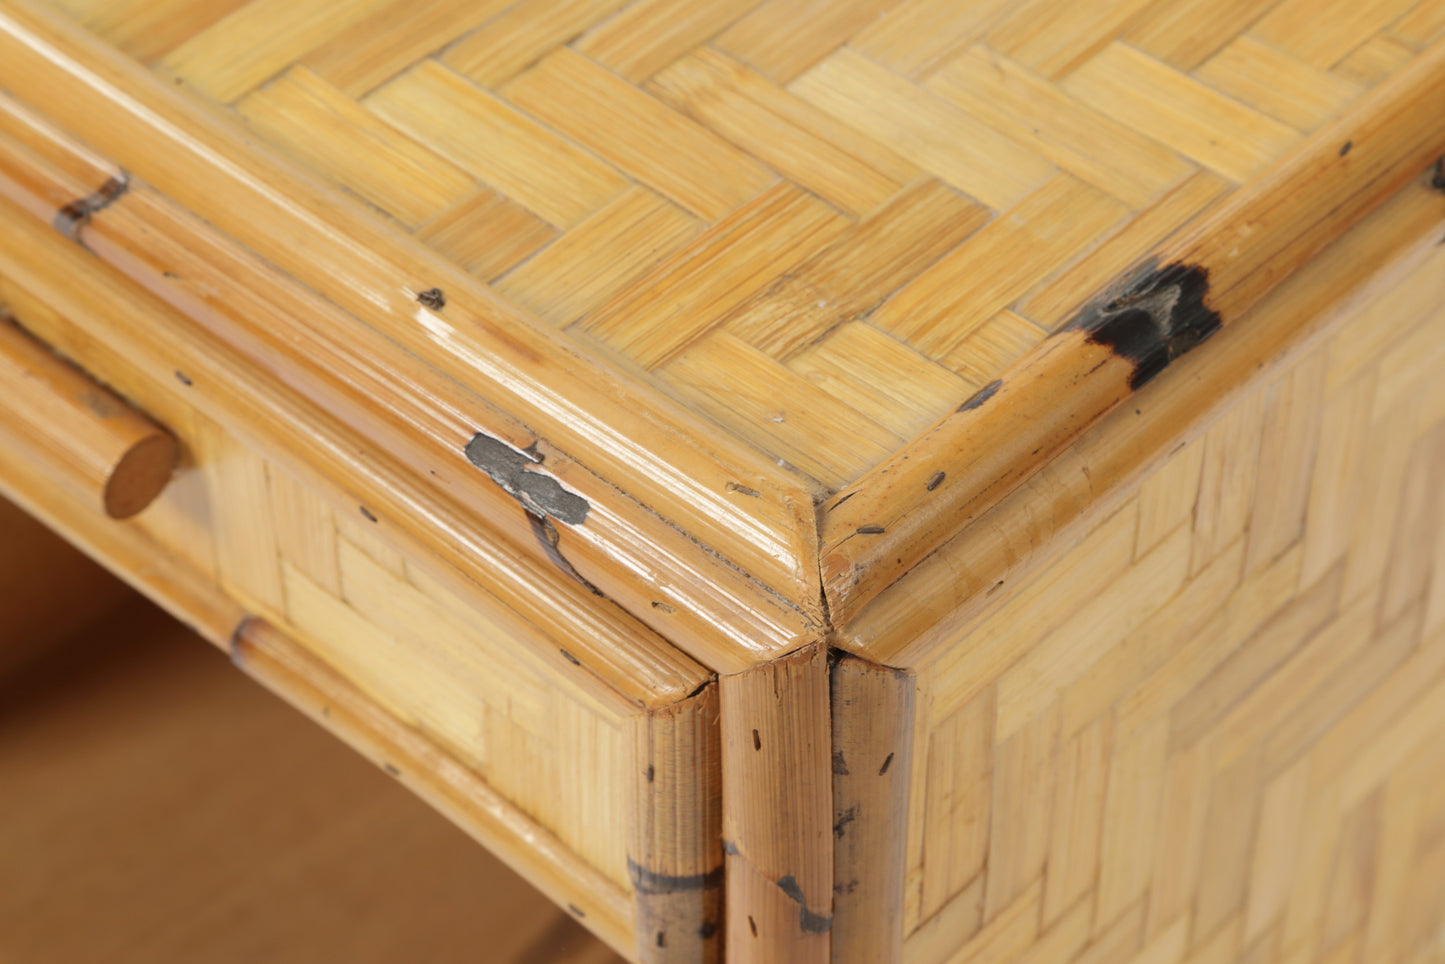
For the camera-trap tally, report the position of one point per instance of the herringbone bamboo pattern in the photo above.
(820, 224)
(1210, 732)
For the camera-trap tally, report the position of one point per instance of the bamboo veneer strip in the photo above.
(614, 424)
(1188, 287)
(448, 786)
(120, 459)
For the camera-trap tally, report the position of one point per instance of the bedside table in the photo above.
(859, 481)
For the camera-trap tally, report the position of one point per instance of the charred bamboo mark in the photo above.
(1160, 315)
(757, 741)
(936, 481)
(645, 881)
(810, 922)
(512, 470)
(840, 764)
(70, 219)
(887, 762)
(982, 395)
(845, 817)
(550, 540)
(432, 298)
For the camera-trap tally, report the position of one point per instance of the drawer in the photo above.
(866, 486)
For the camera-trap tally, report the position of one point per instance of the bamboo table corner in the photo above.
(888, 480)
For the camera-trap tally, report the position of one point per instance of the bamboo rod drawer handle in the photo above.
(120, 457)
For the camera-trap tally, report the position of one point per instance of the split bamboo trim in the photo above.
(1206, 278)
(458, 793)
(873, 734)
(777, 810)
(675, 846)
(119, 459)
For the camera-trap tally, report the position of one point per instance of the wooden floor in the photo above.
(158, 806)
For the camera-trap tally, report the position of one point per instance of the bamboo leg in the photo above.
(675, 851)
(872, 759)
(777, 809)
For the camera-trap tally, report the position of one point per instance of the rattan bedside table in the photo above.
(866, 480)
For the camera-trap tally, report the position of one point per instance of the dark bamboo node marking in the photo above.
(432, 298)
(982, 395)
(1160, 315)
(649, 882)
(77, 214)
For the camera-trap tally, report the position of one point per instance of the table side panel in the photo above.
(1211, 723)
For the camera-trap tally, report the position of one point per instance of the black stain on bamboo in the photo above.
(1159, 315)
(936, 480)
(391, 768)
(810, 922)
(651, 773)
(752, 925)
(570, 658)
(707, 931)
(1437, 179)
(184, 379)
(982, 395)
(887, 762)
(432, 298)
(870, 530)
(845, 817)
(70, 219)
(663, 607)
(731, 849)
(577, 910)
(512, 469)
(744, 490)
(367, 514)
(840, 764)
(649, 882)
(757, 741)
(1346, 147)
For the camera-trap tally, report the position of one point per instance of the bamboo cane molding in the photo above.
(877, 480)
